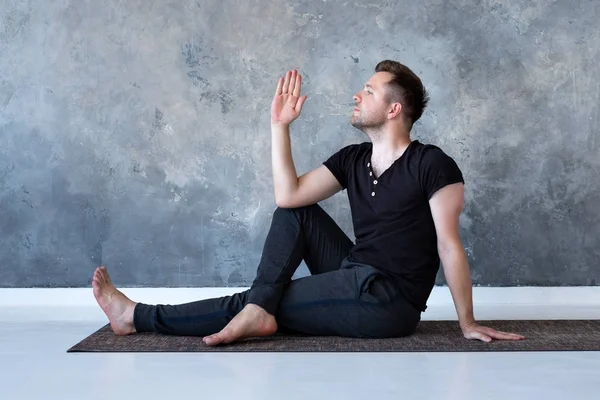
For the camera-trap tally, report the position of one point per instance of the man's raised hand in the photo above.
(287, 102)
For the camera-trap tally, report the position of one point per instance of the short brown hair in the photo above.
(405, 87)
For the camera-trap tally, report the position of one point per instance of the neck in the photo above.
(388, 146)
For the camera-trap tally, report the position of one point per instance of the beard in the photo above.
(366, 122)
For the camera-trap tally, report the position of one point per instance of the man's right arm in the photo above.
(292, 191)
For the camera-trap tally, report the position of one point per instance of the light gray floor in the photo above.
(34, 365)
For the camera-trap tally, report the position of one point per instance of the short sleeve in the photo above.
(339, 164)
(438, 170)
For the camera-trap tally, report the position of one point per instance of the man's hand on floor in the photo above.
(485, 334)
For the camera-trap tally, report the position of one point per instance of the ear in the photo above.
(395, 110)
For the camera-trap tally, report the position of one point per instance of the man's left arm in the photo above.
(446, 206)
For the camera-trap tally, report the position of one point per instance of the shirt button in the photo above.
(370, 174)
(373, 194)
(368, 164)
(375, 182)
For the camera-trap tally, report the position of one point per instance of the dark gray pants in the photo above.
(339, 298)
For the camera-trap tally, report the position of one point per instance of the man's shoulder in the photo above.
(431, 159)
(429, 151)
(354, 149)
(357, 147)
(425, 147)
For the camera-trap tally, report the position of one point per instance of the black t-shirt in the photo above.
(392, 221)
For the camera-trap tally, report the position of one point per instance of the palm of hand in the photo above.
(287, 102)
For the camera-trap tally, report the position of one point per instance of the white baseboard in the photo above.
(588, 296)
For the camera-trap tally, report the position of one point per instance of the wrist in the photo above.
(466, 323)
(280, 129)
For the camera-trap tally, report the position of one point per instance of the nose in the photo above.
(356, 98)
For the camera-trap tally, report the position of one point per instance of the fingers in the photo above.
(286, 83)
(293, 78)
(487, 334)
(481, 336)
(292, 84)
(297, 84)
(300, 103)
(505, 335)
(279, 86)
(485, 338)
(501, 335)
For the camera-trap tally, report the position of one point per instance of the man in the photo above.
(406, 198)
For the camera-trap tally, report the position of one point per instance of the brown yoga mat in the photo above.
(431, 336)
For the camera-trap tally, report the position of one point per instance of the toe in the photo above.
(102, 275)
(208, 339)
(213, 340)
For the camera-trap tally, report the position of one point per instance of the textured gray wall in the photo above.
(135, 134)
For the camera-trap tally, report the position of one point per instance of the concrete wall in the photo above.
(135, 134)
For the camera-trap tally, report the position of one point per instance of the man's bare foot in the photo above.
(252, 321)
(117, 307)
